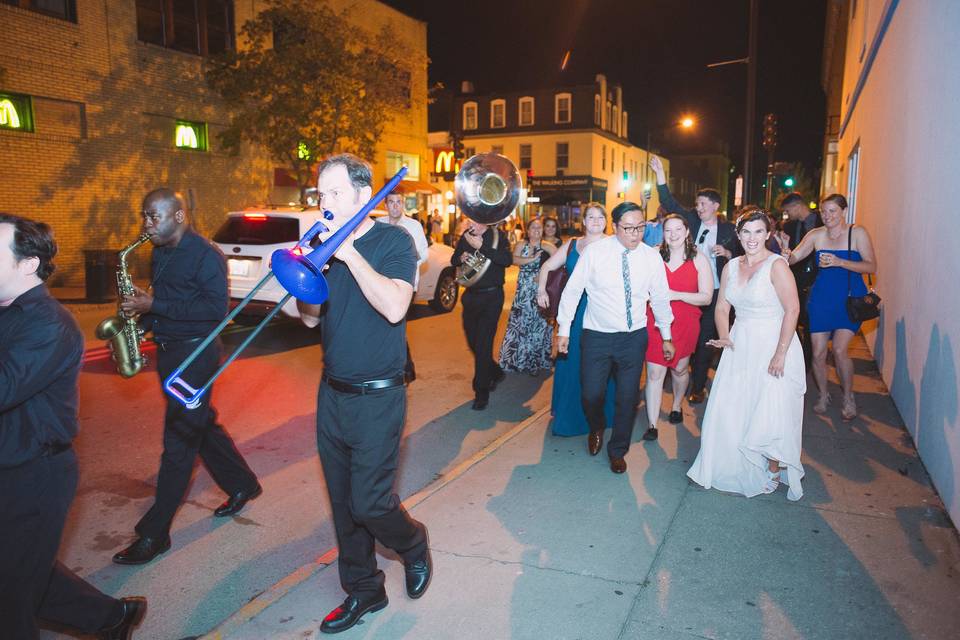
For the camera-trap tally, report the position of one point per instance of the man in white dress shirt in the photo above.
(396, 216)
(620, 275)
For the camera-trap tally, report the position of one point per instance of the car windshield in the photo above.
(258, 229)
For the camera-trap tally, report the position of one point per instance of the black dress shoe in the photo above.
(697, 396)
(142, 551)
(480, 402)
(350, 612)
(497, 379)
(133, 611)
(236, 502)
(618, 465)
(675, 417)
(594, 442)
(651, 434)
(418, 575)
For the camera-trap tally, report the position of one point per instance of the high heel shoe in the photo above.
(849, 410)
(772, 480)
(822, 402)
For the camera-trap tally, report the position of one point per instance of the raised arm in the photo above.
(806, 246)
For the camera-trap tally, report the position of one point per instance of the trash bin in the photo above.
(100, 267)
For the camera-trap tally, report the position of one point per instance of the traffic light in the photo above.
(457, 147)
(789, 181)
(769, 131)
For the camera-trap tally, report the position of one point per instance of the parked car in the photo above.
(248, 238)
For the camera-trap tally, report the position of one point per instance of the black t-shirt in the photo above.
(359, 344)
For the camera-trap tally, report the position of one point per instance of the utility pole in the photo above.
(770, 144)
(751, 98)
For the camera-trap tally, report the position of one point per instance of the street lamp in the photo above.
(687, 122)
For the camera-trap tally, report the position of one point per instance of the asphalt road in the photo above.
(266, 400)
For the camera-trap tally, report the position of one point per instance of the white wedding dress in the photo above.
(752, 416)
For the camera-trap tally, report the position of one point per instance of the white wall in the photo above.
(906, 122)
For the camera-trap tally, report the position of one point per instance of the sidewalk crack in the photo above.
(534, 566)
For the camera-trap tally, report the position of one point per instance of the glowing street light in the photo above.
(687, 122)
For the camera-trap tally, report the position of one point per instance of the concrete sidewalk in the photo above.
(533, 539)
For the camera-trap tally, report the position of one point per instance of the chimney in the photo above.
(466, 87)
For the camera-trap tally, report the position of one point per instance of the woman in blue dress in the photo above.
(566, 406)
(843, 256)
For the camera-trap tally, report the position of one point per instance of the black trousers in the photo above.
(803, 324)
(481, 313)
(358, 437)
(188, 433)
(621, 354)
(703, 354)
(34, 500)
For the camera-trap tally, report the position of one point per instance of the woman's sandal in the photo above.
(772, 480)
(849, 410)
(822, 402)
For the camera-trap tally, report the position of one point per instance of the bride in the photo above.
(750, 440)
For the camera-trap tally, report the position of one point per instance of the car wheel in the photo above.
(447, 292)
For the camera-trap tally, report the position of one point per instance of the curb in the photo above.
(278, 590)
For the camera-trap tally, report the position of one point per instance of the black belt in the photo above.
(50, 449)
(364, 387)
(165, 345)
(485, 289)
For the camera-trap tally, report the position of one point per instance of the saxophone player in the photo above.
(188, 299)
(482, 303)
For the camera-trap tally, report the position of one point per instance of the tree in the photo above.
(304, 83)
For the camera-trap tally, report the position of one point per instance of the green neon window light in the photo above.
(16, 112)
(190, 135)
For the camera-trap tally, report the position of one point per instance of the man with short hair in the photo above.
(188, 299)
(41, 350)
(620, 275)
(715, 239)
(801, 219)
(361, 405)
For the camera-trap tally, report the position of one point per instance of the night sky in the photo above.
(656, 49)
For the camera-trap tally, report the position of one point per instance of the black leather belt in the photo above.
(50, 449)
(165, 345)
(485, 289)
(364, 387)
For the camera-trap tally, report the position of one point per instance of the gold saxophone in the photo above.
(123, 333)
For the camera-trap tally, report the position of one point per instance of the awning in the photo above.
(416, 186)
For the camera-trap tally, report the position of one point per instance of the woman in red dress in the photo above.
(691, 287)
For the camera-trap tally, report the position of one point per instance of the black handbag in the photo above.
(861, 308)
(556, 281)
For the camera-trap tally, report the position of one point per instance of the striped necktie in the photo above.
(627, 292)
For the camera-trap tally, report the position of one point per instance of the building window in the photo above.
(469, 115)
(596, 109)
(469, 152)
(204, 27)
(603, 157)
(65, 9)
(497, 148)
(563, 155)
(561, 108)
(526, 112)
(16, 112)
(397, 159)
(853, 182)
(498, 111)
(526, 156)
(190, 135)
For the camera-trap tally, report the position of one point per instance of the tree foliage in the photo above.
(305, 82)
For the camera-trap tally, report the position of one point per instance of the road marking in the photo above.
(274, 593)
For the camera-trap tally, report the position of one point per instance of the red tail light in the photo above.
(255, 216)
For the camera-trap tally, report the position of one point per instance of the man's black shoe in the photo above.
(480, 402)
(675, 417)
(350, 612)
(651, 434)
(142, 551)
(133, 611)
(418, 575)
(497, 379)
(697, 397)
(236, 502)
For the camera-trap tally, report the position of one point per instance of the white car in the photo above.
(248, 238)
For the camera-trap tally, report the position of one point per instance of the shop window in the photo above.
(397, 159)
(203, 27)
(65, 9)
(16, 112)
(563, 155)
(469, 152)
(469, 115)
(526, 156)
(498, 114)
(190, 135)
(526, 112)
(561, 108)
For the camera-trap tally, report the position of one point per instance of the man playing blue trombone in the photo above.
(362, 400)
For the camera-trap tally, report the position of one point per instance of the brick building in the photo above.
(103, 93)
